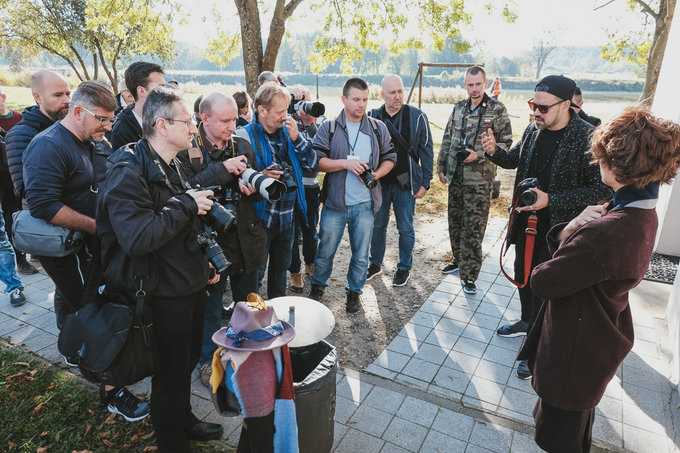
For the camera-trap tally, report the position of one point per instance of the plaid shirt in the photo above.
(280, 214)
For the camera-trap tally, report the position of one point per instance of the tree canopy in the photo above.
(89, 35)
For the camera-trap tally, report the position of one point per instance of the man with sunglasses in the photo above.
(554, 150)
(464, 167)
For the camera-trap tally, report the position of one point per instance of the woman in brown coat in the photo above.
(585, 330)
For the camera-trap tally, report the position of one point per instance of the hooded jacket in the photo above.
(34, 121)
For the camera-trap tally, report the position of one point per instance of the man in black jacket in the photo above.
(146, 209)
(140, 78)
(554, 150)
(52, 96)
(224, 157)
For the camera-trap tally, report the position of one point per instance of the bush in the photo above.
(15, 79)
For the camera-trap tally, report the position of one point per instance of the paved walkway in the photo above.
(446, 382)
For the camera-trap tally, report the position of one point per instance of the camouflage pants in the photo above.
(468, 214)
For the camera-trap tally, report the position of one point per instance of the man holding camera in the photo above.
(469, 174)
(355, 151)
(218, 158)
(554, 150)
(283, 154)
(408, 180)
(146, 209)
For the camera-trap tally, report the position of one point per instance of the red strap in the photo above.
(530, 235)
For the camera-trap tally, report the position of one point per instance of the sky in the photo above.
(572, 22)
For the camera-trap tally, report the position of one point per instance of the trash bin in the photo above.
(314, 364)
(314, 369)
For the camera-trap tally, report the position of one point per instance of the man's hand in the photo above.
(421, 193)
(488, 142)
(356, 166)
(269, 173)
(201, 198)
(236, 165)
(215, 278)
(246, 189)
(442, 178)
(291, 125)
(305, 118)
(471, 157)
(296, 92)
(587, 215)
(542, 201)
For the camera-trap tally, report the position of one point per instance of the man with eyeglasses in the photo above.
(554, 150)
(140, 78)
(62, 170)
(464, 167)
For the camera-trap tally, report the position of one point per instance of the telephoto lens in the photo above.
(368, 179)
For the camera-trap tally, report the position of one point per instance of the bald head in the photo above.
(218, 113)
(52, 93)
(214, 100)
(392, 92)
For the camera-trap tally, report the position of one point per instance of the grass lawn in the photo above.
(44, 409)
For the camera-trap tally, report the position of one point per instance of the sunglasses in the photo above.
(541, 107)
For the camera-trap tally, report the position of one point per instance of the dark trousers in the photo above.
(562, 431)
(178, 322)
(278, 256)
(530, 303)
(68, 274)
(310, 236)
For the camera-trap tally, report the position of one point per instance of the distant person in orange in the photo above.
(496, 88)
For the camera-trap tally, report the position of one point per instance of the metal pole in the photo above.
(420, 88)
(415, 79)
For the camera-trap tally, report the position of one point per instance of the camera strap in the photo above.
(481, 108)
(529, 241)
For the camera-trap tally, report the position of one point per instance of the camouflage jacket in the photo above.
(495, 117)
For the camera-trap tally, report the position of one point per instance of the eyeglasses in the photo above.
(187, 122)
(541, 107)
(103, 120)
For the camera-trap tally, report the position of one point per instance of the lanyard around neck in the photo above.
(356, 138)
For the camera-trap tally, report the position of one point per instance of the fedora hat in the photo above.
(252, 329)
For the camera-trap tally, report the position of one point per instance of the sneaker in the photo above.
(523, 371)
(353, 302)
(316, 293)
(469, 287)
(513, 330)
(450, 268)
(373, 270)
(70, 361)
(17, 298)
(309, 269)
(128, 405)
(296, 282)
(206, 373)
(26, 268)
(400, 277)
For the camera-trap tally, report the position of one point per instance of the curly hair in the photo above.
(638, 147)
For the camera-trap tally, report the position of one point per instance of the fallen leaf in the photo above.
(88, 428)
(33, 373)
(38, 408)
(103, 434)
(21, 364)
(110, 419)
(41, 450)
(136, 437)
(37, 398)
(108, 443)
(81, 451)
(44, 433)
(11, 445)
(150, 448)
(91, 412)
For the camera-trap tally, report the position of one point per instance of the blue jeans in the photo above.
(241, 285)
(310, 236)
(404, 208)
(359, 221)
(8, 262)
(277, 250)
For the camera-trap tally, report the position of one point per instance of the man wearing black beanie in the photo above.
(554, 150)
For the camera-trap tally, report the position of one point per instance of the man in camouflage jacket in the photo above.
(464, 167)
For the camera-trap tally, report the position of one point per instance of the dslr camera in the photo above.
(315, 109)
(527, 197)
(287, 177)
(462, 154)
(367, 177)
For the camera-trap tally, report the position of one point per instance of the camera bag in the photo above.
(42, 238)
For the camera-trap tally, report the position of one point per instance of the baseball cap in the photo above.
(557, 85)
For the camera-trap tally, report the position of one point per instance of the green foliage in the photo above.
(224, 48)
(633, 46)
(88, 34)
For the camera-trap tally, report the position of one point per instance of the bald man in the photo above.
(408, 181)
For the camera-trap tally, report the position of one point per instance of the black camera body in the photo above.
(287, 176)
(462, 154)
(367, 177)
(527, 197)
(205, 241)
(218, 218)
(315, 109)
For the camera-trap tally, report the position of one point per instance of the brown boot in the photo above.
(296, 282)
(309, 269)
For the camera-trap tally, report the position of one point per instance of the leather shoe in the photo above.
(204, 431)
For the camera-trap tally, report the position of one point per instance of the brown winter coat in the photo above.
(584, 330)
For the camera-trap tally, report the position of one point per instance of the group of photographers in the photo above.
(206, 203)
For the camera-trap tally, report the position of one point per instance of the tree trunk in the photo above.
(656, 54)
(251, 42)
(96, 65)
